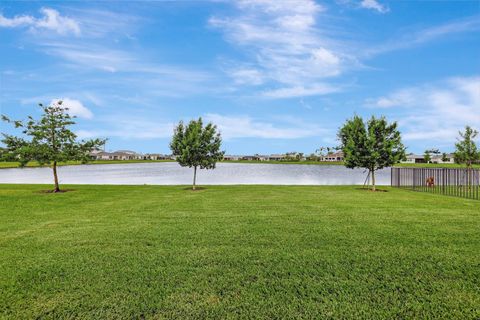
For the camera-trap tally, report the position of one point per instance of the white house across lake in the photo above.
(437, 158)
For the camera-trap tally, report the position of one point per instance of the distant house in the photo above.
(100, 155)
(333, 156)
(232, 158)
(413, 158)
(126, 155)
(260, 157)
(248, 158)
(156, 156)
(276, 157)
(439, 158)
(117, 155)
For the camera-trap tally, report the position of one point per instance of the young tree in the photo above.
(373, 145)
(313, 157)
(291, 156)
(428, 154)
(466, 149)
(51, 141)
(196, 146)
(427, 157)
(444, 157)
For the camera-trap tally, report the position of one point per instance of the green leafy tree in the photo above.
(291, 156)
(313, 157)
(466, 149)
(428, 154)
(427, 157)
(196, 146)
(47, 140)
(445, 157)
(373, 145)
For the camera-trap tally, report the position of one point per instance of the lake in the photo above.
(170, 173)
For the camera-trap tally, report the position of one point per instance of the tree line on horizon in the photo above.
(373, 144)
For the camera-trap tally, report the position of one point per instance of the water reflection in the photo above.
(170, 173)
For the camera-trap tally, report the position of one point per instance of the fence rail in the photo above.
(463, 182)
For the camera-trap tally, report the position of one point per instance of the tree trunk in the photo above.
(55, 177)
(373, 181)
(194, 177)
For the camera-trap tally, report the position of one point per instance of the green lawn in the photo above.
(134, 252)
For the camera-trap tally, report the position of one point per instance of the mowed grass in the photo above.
(154, 252)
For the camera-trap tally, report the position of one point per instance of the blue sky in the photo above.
(275, 76)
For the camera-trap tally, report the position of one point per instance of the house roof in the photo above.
(126, 151)
(414, 156)
(335, 154)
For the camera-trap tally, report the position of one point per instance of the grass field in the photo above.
(134, 252)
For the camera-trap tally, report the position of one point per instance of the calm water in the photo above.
(169, 173)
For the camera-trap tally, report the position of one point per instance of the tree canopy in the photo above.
(466, 150)
(47, 140)
(373, 145)
(198, 146)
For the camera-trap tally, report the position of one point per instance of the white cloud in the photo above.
(16, 21)
(300, 91)
(51, 20)
(374, 5)
(129, 128)
(435, 111)
(285, 45)
(90, 56)
(247, 76)
(243, 126)
(399, 98)
(75, 108)
(98, 23)
(411, 38)
(130, 69)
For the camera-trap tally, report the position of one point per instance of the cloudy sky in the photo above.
(274, 75)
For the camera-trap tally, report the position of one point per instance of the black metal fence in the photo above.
(460, 182)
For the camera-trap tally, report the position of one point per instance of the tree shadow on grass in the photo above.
(366, 189)
(54, 192)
